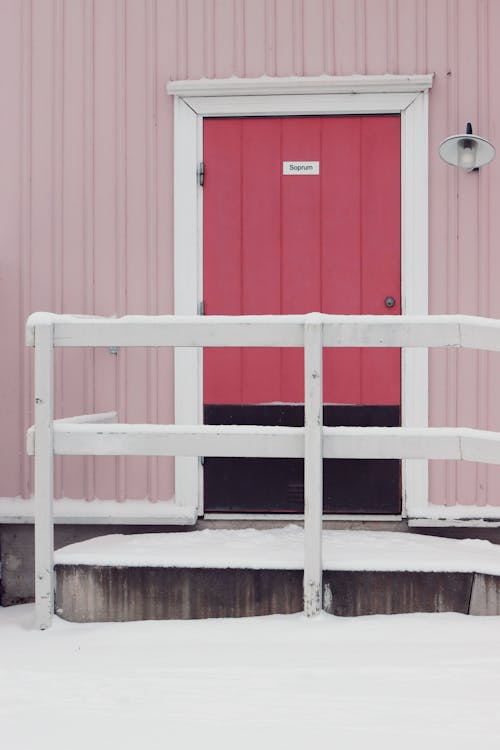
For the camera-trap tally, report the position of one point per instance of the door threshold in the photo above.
(296, 517)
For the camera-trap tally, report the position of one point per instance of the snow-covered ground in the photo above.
(280, 682)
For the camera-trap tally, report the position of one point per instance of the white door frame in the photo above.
(324, 95)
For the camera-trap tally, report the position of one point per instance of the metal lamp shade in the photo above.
(466, 151)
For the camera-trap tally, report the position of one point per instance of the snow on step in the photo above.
(283, 548)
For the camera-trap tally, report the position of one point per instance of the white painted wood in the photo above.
(187, 293)
(178, 440)
(285, 106)
(82, 435)
(19, 511)
(392, 442)
(479, 523)
(132, 512)
(103, 417)
(30, 440)
(187, 194)
(277, 330)
(108, 416)
(452, 443)
(480, 445)
(313, 464)
(480, 333)
(291, 517)
(404, 95)
(271, 86)
(44, 476)
(459, 513)
(200, 311)
(223, 330)
(181, 331)
(414, 287)
(392, 330)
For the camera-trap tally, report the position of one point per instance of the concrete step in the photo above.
(223, 573)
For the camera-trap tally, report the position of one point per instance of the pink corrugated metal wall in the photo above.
(86, 190)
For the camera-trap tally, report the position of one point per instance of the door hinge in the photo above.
(201, 307)
(201, 173)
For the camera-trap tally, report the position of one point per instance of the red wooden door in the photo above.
(327, 239)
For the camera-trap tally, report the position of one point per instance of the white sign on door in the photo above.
(301, 167)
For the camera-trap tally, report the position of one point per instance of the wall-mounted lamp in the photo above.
(467, 151)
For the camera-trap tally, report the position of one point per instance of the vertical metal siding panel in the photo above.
(451, 218)
(71, 198)
(421, 32)
(57, 209)
(196, 10)
(407, 34)
(12, 39)
(314, 63)
(166, 44)
(482, 243)
(360, 35)
(209, 41)
(344, 27)
(392, 36)
(239, 37)
(255, 38)
(89, 217)
(224, 38)
(26, 358)
(43, 246)
(463, 278)
(42, 162)
(467, 245)
(150, 123)
(270, 37)
(120, 91)
(298, 37)
(42, 260)
(284, 38)
(103, 204)
(137, 252)
(328, 38)
(439, 177)
(181, 39)
(376, 37)
(489, 122)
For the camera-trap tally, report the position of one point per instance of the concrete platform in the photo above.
(228, 573)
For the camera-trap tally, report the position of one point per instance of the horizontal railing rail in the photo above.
(427, 331)
(102, 434)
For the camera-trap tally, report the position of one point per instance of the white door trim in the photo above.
(194, 100)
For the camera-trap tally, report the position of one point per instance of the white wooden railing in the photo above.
(100, 434)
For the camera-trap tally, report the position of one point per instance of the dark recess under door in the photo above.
(276, 485)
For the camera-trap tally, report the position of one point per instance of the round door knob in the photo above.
(389, 302)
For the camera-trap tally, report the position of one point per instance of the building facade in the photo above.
(113, 105)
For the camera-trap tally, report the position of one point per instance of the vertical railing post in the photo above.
(44, 474)
(313, 463)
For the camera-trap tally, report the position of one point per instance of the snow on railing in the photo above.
(101, 434)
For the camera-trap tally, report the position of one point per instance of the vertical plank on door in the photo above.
(381, 233)
(341, 248)
(261, 273)
(222, 257)
(301, 241)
